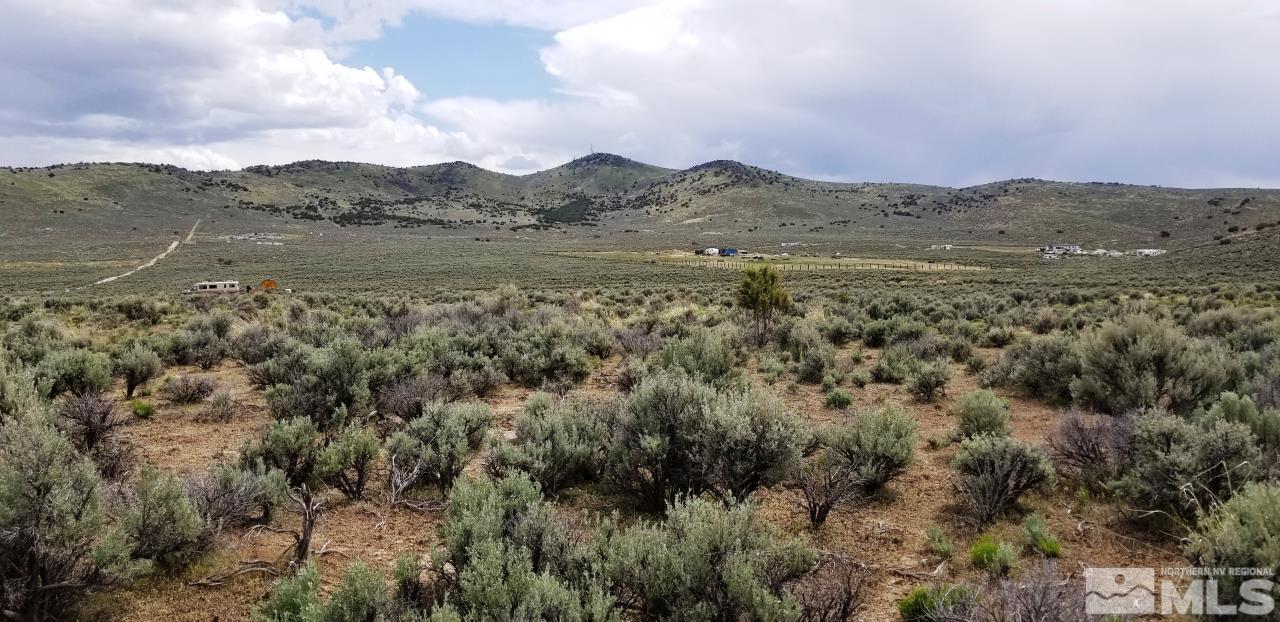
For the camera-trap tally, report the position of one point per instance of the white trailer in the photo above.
(215, 287)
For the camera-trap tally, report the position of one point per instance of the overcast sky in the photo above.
(1172, 92)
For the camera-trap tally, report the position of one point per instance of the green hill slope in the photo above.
(604, 192)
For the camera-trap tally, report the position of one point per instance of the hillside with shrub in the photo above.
(611, 193)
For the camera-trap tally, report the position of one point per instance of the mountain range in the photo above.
(605, 192)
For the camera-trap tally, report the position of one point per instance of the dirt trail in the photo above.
(151, 262)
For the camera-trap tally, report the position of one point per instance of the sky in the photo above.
(1170, 92)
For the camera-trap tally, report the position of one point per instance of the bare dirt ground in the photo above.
(887, 534)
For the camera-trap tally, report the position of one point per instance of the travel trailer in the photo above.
(215, 287)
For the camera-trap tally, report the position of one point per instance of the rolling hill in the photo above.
(605, 192)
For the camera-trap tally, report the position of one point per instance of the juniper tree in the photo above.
(761, 291)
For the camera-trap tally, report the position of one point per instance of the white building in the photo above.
(1061, 249)
(1149, 252)
(713, 251)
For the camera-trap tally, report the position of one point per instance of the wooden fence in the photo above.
(790, 266)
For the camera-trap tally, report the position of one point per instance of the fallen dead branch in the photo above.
(243, 568)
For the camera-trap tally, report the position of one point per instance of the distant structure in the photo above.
(941, 247)
(711, 252)
(1061, 249)
(1058, 251)
(728, 252)
(215, 287)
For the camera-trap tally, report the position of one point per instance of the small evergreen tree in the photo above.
(761, 292)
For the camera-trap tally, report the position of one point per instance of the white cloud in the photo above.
(365, 19)
(1172, 92)
(1168, 91)
(203, 84)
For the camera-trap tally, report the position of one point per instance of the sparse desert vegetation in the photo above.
(784, 448)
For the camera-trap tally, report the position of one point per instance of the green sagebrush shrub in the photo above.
(546, 353)
(294, 598)
(939, 542)
(76, 371)
(930, 381)
(557, 444)
(433, 448)
(515, 558)
(981, 412)
(1141, 363)
(57, 531)
(33, 338)
(677, 435)
(1244, 532)
(707, 562)
(895, 365)
(993, 472)
(812, 353)
(999, 336)
(291, 446)
(136, 366)
(257, 343)
(137, 308)
(141, 409)
(771, 368)
(937, 603)
(207, 349)
(361, 596)
(161, 522)
(1264, 423)
(1042, 367)
(228, 495)
(18, 392)
(838, 399)
(1182, 467)
(316, 383)
(838, 330)
(883, 332)
(712, 356)
(348, 460)
(286, 366)
(878, 446)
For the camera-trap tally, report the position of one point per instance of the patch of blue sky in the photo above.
(446, 58)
